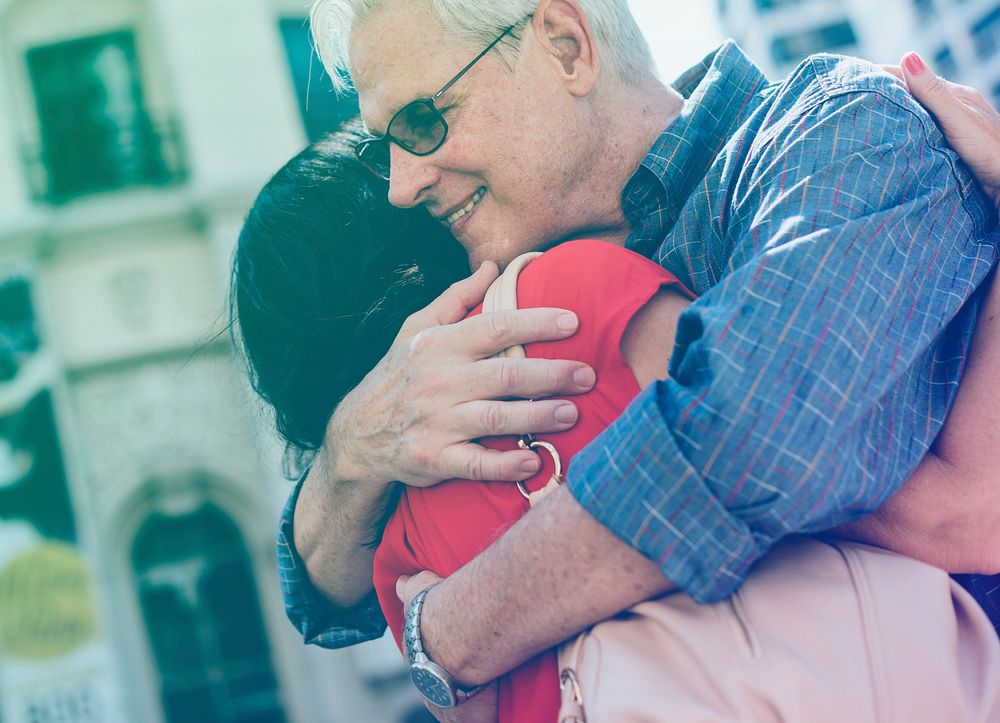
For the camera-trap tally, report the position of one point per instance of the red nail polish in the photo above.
(914, 63)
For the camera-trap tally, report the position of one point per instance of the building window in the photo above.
(322, 108)
(944, 62)
(773, 4)
(839, 36)
(986, 34)
(95, 131)
(200, 606)
(18, 335)
(33, 484)
(925, 9)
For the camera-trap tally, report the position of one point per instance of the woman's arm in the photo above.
(649, 337)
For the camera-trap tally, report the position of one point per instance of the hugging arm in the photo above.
(947, 514)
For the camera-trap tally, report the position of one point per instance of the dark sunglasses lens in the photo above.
(375, 155)
(418, 127)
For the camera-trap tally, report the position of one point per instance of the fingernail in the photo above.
(529, 466)
(566, 322)
(399, 586)
(914, 63)
(566, 414)
(584, 377)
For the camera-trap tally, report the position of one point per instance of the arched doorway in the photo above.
(202, 616)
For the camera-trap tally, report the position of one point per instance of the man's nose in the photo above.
(410, 177)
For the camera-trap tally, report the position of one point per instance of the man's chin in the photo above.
(500, 252)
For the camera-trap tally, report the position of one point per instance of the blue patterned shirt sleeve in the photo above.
(320, 622)
(812, 376)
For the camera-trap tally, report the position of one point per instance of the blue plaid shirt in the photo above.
(834, 241)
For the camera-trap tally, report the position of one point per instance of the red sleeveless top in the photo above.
(443, 527)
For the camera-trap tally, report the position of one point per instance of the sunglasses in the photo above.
(418, 127)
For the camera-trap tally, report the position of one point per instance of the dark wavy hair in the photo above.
(324, 274)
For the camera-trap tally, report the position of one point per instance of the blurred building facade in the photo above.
(960, 38)
(139, 487)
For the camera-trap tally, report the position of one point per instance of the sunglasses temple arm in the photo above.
(472, 62)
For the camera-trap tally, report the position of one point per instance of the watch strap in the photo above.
(414, 644)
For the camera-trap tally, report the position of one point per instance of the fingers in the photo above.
(472, 461)
(933, 93)
(917, 71)
(488, 334)
(451, 378)
(457, 300)
(973, 97)
(894, 70)
(408, 586)
(529, 378)
(491, 418)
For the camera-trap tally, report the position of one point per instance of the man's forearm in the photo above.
(524, 593)
(335, 523)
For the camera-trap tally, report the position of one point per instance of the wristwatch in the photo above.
(431, 680)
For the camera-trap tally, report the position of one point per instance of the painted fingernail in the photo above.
(566, 322)
(584, 377)
(914, 63)
(565, 414)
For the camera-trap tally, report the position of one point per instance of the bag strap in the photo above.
(502, 296)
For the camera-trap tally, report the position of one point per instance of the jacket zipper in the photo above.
(751, 647)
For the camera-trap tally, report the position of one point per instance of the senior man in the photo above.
(836, 247)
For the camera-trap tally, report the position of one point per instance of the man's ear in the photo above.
(564, 32)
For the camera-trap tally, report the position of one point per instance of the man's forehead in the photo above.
(398, 54)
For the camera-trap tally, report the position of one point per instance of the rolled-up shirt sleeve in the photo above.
(806, 385)
(318, 620)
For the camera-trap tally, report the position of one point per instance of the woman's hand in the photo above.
(969, 122)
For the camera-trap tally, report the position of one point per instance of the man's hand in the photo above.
(969, 122)
(413, 417)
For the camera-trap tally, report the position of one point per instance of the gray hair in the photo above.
(619, 40)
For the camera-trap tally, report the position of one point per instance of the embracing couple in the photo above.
(730, 392)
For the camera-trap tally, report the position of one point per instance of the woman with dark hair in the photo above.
(325, 274)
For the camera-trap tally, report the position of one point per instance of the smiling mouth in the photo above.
(466, 209)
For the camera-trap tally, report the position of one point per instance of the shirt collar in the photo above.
(717, 94)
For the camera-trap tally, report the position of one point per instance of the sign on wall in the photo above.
(55, 664)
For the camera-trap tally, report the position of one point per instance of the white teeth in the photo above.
(476, 198)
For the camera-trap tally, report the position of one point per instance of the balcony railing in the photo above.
(76, 158)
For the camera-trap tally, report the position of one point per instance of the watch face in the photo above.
(432, 686)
